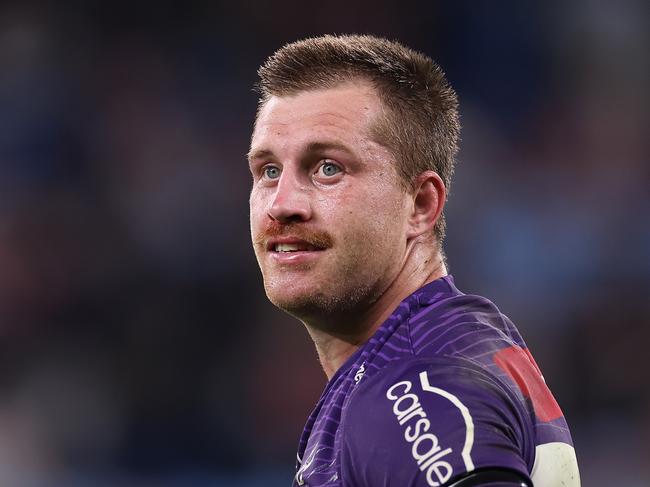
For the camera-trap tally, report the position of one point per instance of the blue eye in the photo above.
(329, 169)
(272, 172)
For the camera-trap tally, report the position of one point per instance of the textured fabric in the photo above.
(445, 386)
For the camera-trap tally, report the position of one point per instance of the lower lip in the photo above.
(298, 257)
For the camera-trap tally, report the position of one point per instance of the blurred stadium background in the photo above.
(136, 345)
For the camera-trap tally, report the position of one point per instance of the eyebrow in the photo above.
(259, 154)
(309, 148)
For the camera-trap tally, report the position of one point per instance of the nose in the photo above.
(291, 201)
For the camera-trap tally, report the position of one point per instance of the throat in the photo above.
(333, 352)
(334, 348)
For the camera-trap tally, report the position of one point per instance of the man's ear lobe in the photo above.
(429, 198)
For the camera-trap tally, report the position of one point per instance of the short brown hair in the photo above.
(421, 128)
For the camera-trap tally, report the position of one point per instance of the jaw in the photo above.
(331, 300)
(292, 286)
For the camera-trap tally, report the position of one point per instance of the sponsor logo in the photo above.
(426, 450)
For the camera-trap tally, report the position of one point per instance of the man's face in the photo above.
(328, 215)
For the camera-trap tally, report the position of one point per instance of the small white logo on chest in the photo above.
(360, 372)
(305, 465)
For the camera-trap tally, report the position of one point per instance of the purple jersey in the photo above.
(444, 387)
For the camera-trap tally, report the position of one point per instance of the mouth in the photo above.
(291, 245)
(291, 251)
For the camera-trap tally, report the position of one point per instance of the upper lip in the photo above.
(271, 243)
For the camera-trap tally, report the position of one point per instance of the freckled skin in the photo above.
(380, 245)
(364, 210)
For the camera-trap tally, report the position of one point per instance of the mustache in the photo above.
(318, 238)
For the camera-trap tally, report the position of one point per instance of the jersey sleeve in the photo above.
(429, 422)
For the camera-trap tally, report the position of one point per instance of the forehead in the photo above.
(343, 113)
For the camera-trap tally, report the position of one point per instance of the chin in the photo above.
(316, 303)
(292, 301)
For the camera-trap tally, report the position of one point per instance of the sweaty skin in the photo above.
(356, 242)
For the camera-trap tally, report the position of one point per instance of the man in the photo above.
(351, 155)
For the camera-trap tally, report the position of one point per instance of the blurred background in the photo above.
(136, 345)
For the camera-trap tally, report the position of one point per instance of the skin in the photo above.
(321, 182)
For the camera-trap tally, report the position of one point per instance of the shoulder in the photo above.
(426, 421)
(460, 324)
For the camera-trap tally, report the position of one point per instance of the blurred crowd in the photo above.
(136, 345)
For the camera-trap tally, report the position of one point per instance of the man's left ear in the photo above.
(429, 196)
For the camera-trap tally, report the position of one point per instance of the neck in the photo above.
(420, 268)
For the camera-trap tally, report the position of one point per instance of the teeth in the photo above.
(284, 247)
(293, 247)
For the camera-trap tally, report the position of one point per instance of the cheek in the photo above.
(256, 207)
(387, 209)
(377, 219)
(257, 216)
